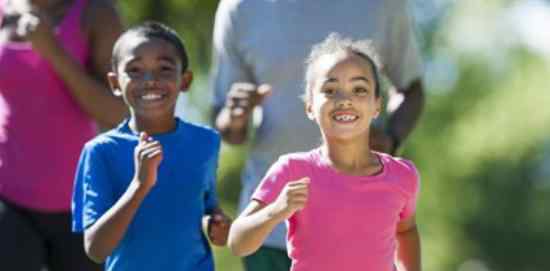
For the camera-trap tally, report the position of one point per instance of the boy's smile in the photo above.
(149, 77)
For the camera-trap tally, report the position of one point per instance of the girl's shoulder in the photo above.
(298, 158)
(401, 171)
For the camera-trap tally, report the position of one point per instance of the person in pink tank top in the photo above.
(346, 206)
(53, 96)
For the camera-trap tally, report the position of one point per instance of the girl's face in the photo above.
(342, 97)
(149, 76)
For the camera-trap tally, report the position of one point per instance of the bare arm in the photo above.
(90, 91)
(102, 237)
(403, 120)
(250, 229)
(408, 250)
(105, 234)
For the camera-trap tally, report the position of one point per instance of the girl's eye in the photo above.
(360, 91)
(328, 92)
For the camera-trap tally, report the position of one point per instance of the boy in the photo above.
(142, 189)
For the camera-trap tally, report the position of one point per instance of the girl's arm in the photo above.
(408, 241)
(250, 229)
(89, 89)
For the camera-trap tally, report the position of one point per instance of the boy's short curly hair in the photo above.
(152, 29)
(333, 44)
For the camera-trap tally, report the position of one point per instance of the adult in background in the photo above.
(53, 58)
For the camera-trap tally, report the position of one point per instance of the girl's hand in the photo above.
(218, 225)
(147, 158)
(292, 198)
(38, 30)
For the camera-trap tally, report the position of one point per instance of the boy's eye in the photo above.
(133, 70)
(167, 68)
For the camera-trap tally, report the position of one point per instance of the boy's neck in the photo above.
(352, 157)
(152, 126)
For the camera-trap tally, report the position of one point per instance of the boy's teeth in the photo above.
(150, 96)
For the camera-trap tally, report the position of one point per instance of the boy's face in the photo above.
(343, 100)
(149, 76)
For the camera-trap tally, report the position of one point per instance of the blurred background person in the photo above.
(54, 55)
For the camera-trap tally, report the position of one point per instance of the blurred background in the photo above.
(483, 143)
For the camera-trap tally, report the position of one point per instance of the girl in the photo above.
(346, 206)
(52, 53)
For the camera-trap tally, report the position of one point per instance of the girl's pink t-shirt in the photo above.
(349, 222)
(42, 127)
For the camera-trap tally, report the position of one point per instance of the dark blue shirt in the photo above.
(166, 232)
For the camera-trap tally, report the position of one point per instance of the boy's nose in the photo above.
(148, 76)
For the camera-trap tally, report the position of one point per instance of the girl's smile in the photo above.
(343, 101)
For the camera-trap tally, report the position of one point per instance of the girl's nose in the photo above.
(343, 100)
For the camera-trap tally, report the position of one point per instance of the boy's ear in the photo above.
(186, 79)
(112, 78)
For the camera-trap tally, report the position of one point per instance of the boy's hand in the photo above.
(147, 158)
(292, 198)
(218, 228)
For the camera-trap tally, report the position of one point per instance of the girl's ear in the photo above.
(112, 78)
(309, 111)
(378, 107)
(186, 79)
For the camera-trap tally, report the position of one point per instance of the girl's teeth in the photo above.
(345, 117)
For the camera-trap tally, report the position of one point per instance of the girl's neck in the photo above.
(352, 157)
(152, 126)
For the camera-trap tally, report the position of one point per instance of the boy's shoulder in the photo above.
(200, 131)
(110, 138)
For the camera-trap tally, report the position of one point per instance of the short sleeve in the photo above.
(412, 187)
(228, 62)
(93, 192)
(275, 179)
(400, 51)
(211, 198)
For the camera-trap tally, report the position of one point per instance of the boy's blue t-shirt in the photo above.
(166, 232)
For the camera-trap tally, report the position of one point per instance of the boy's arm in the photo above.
(408, 245)
(102, 237)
